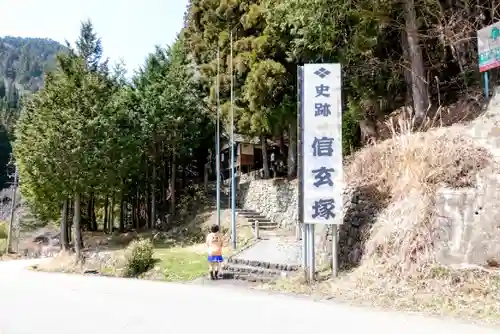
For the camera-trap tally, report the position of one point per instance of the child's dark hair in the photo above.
(214, 228)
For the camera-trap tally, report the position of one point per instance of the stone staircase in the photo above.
(266, 260)
(272, 256)
(264, 223)
(254, 217)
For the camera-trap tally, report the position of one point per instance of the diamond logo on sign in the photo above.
(322, 73)
(495, 33)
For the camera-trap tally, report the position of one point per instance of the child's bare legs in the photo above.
(212, 266)
(217, 269)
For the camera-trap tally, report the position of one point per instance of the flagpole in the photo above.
(217, 140)
(233, 176)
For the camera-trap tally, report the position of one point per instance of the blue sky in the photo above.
(129, 29)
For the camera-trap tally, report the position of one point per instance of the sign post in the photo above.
(217, 139)
(301, 225)
(321, 173)
(488, 48)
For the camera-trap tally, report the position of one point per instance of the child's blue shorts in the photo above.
(215, 258)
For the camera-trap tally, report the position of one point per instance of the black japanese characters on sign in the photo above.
(323, 176)
(322, 109)
(322, 147)
(322, 90)
(323, 208)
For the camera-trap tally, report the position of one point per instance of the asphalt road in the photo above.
(32, 302)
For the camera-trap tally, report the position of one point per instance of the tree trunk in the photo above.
(93, 217)
(64, 227)
(122, 213)
(132, 204)
(76, 223)
(265, 162)
(172, 183)
(292, 151)
(137, 209)
(69, 219)
(112, 214)
(90, 213)
(205, 178)
(282, 144)
(407, 69)
(419, 86)
(106, 205)
(147, 200)
(166, 186)
(152, 219)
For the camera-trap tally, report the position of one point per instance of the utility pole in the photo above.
(12, 211)
(233, 176)
(217, 140)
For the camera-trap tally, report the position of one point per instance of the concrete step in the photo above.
(247, 277)
(260, 219)
(265, 265)
(251, 270)
(266, 226)
(266, 229)
(246, 211)
(253, 215)
(262, 222)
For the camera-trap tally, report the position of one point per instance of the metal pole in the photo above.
(312, 257)
(486, 85)
(12, 210)
(299, 229)
(305, 251)
(233, 176)
(300, 141)
(217, 140)
(304, 245)
(256, 227)
(335, 251)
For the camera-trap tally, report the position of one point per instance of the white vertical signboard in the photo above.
(322, 144)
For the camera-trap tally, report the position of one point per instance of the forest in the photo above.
(91, 140)
(23, 62)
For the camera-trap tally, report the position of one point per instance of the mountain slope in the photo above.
(24, 60)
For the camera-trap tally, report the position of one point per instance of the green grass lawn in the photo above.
(189, 263)
(3, 244)
(181, 264)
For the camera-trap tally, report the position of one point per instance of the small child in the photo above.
(214, 245)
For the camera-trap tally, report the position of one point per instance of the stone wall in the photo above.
(468, 220)
(276, 198)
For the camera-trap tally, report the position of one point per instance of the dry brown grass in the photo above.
(470, 294)
(64, 262)
(406, 171)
